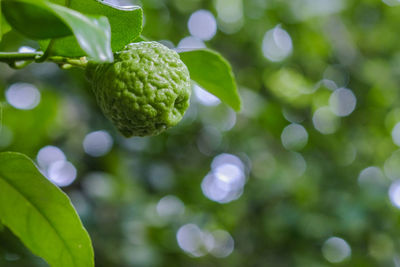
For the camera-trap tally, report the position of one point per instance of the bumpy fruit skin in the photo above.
(144, 91)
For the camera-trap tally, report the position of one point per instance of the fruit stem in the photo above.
(12, 57)
(75, 62)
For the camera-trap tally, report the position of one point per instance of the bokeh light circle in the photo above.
(336, 250)
(342, 102)
(97, 143)
(23, 96)
(277, 44)
(202, 24)
(294, 137)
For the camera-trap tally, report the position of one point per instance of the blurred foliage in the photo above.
(293, 201)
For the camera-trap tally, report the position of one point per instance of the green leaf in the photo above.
(213, 73)
(125, 22)
(34, 20)
(41, 215)
(92, 33)
(4, 26)
(42, 20)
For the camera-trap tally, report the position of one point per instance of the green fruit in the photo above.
(144, 91)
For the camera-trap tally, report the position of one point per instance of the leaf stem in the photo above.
(46, 53)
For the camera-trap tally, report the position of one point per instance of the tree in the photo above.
(98, 37)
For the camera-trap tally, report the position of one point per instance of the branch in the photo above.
(12, 57)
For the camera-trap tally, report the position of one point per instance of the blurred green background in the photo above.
(307, 174)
